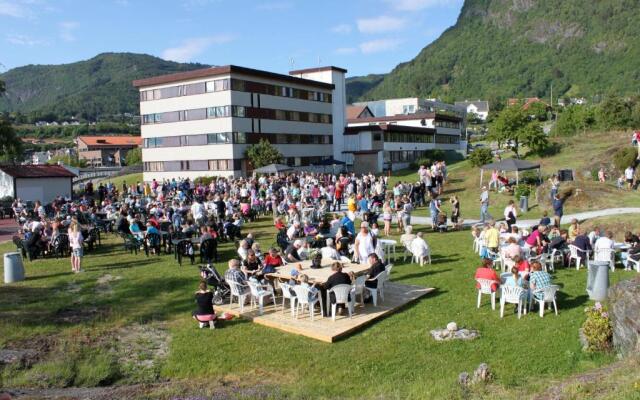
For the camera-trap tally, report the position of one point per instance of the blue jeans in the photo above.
(484, 213)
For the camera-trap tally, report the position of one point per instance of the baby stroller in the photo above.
(213, 278)
(442, 222)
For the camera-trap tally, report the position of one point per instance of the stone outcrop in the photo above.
(624, 308)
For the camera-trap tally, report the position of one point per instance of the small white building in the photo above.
(35, 182)
(478, 107)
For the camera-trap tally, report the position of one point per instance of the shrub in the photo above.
(480, 157)
(597, 328)
(624, 157)
(522, 190)
(421, 161)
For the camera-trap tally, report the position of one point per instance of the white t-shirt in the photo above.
(628, 173)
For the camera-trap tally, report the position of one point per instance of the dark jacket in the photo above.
(376, 269)
(582, 242)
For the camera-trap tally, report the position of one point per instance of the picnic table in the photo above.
(318, 275)
(389, 247)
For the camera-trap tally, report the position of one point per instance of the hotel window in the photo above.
(239, 137)
(172, 166)
(223, 137)
(196, 140)
(199, 165)
(238, 85)
(238, 111)
(280, 115)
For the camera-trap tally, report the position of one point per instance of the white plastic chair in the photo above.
(238, 290)
(422, 259)
(507, 263)
(513, 295)
(476, 244)
(548, 296)
(606, 255)
(358, 287)
(345, 259)
(556, 255)
(342, 293)
(388, 268)
(303, 294)
(258, 293)
(485, 288)
(286, 294)
(577, 254)
(630, 262)
(379, 290)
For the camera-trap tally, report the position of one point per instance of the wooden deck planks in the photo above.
(396, 296)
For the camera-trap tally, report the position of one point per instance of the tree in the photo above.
(263, 153)
(134, 157)
(538, 110)
(507, 126)
(10, 144)
(624, 158)
(615, 112)
(534, 137)
(480, 157)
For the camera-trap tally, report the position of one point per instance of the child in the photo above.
(75, 241)
(313, 291)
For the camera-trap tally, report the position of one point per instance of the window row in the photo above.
(404, 156)
(395, 137)
(235, 111)
(192, 165)
(447, 139)
(301, 161)
(239, 85)
(447, 124)
(235, 138)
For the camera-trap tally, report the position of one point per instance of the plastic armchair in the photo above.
(485, 288)
(548, 296)
(381, 278)
(388, 268)
(556, 255)
(495, 257)
(258, 293)
(358, 287)
(239, 291)
(513, 295)
(630, 262)
(345, 294)
(577, 254)
(303, 295)
(286, 294)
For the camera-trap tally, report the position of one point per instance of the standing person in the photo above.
(628, 175)
(75, 241)
(364, 245)
(386, 217)
(455, 213)
(555, 184)
(434, 208)
(484, 205)
(602, 177)
(510, 214)
(558, 209)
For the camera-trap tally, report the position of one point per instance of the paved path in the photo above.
(530, 222)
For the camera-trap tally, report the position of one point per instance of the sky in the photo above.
(362, 36)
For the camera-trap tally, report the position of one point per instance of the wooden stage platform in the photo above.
(396, 295)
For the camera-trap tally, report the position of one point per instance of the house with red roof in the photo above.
(106, 151)
(35, 182)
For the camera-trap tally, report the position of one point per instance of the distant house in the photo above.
(358, 111)
(526, 102)
(40, 157)
(478, 107)
(105, 151)
(35, 182)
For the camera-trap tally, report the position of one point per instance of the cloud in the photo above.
(346, 50)
(13, 9)
(414, 5)
(274, 6)
(378, 45)
(23, 40)
(379, 24)
(66, 30)
(341, 29)
(193, 47)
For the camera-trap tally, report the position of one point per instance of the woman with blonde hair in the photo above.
(75, 241)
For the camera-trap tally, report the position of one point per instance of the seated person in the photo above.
(514, 279)
(442, 221)
(309, 229)
(348, 224)
(135, 230)
(545, 220)
(604, 243)
(633, 253)
(234, 274)
(256, 249)
(375, 268)
(512, 249)
(272, 261)
(294, 231)
(291, 252)
(252, 266)
(152, 229)
(329, 251)
(595, 235)
(583, 243)
(313, 290)
(243, 249)
(539, 279)
(305, 251)
(486, 271)
(204, 313)
(630, 238)
(521, 264)
(205, 234)
(343, 241)
(536, 240)
(573, 230)
(419, 247)
(279, 224)
(338, 278)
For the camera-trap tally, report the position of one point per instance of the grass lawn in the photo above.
(127, 320)
(129, 179)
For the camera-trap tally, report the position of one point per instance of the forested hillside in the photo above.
(88, 89)
(504, 48)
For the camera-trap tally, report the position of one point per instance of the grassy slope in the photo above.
(128, 179)
(581, 153)
(393, 358)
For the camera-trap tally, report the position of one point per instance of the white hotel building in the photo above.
(200, 122)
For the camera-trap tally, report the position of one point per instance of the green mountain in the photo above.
(509, 48)
(100, 86)
(359, 85)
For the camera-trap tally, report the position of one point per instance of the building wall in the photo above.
(365, 163)
(6, 185)
(43, 189)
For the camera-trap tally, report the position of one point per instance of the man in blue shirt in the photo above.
(558, 209)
